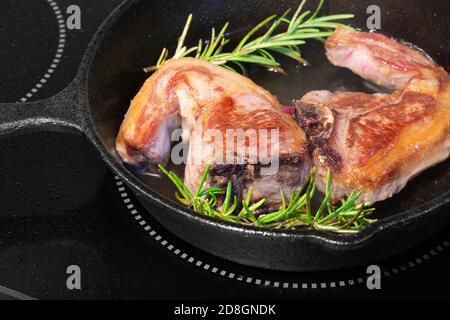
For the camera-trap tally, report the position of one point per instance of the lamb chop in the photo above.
(378, 142)
(231, 124)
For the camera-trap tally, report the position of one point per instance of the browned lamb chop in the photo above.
(216, 105)
(378, 142)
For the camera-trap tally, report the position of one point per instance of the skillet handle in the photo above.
(60, 113)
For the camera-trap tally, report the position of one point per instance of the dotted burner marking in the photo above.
(127, 201)
(58, 55)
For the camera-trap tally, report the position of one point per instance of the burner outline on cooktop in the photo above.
(58, 55)
(14, 294)
(127, 201)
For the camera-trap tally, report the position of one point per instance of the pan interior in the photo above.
(137, 37)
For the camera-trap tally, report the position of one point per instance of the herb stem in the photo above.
(253, 49)
(295, 213)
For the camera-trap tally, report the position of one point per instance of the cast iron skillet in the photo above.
(111, 74)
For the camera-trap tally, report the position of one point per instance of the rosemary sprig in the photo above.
(282, 36)
(220, 203)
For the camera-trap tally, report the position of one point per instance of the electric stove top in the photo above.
(60, 206)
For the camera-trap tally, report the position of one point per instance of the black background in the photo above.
(59, 206)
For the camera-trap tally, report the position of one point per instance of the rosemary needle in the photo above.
(350, 217)
(280, 35)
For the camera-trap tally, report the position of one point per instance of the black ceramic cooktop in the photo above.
(61, 207)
